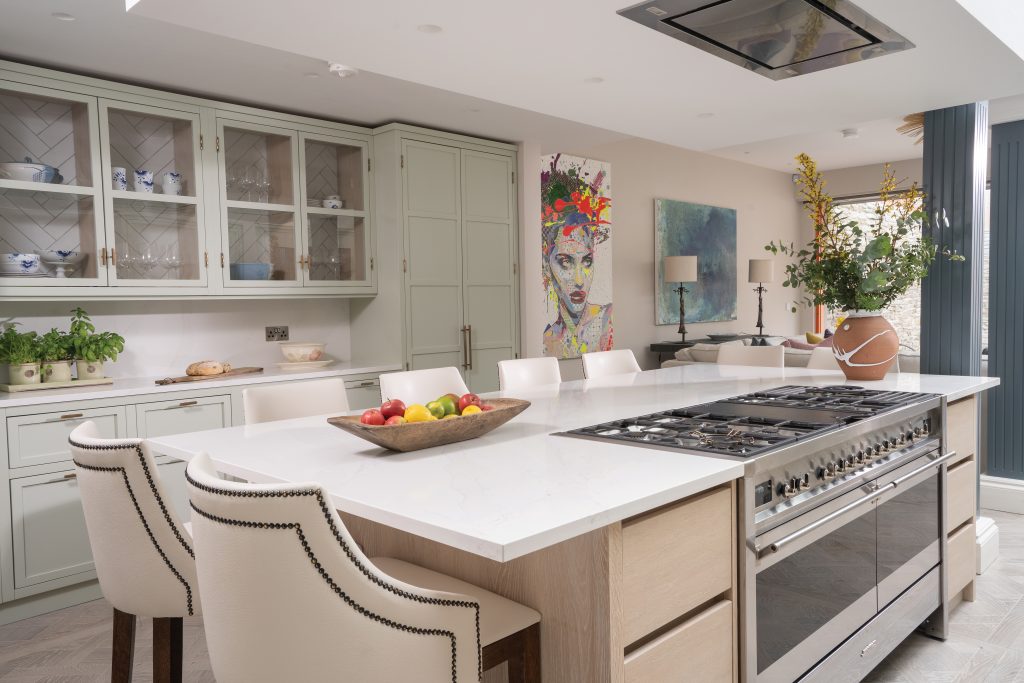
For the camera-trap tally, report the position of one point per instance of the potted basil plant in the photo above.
(92, 348)
(20, 351)
(56, 353)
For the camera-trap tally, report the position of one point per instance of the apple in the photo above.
(468, 400)
(486, 406)
(393, 408)
(372, 417)
(395, 420)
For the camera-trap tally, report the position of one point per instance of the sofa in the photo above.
(794, 358)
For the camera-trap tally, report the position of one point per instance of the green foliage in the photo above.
(846, 267)
(56, 345)
(90, 345)
(17, 348)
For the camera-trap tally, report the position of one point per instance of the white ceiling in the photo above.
(519, 76)
(539, 54)
(105, 41)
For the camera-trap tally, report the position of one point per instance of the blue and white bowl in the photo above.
(20, 264)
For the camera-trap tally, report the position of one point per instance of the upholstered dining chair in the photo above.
(762, 356)
(524, 373)
(289, 596)
(421, 386)
(298, 399)
(142, 550)
(822, 358)
(604, 363)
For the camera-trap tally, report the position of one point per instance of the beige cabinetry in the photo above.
(455, 217)
(961, 498)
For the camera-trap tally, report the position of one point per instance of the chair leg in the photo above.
(124, 647)
(167, 650)
(524, 665)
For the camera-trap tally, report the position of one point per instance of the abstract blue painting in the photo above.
(709, 233)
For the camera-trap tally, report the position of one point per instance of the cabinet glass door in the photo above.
(51, 214)
(259, 205)
(154, 201)
(334, 198)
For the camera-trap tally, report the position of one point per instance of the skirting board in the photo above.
(1000, 493)
(987, 542)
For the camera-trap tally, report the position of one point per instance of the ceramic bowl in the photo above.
(250, 271)
(62, 256)
(302, 352)
(20, 264)
(30, 171)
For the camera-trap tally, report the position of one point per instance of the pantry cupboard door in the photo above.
(432, 208)
(489, 265)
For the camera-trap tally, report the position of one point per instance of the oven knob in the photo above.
(786, 490)
(841, 466)
(910, 435)
(860, 456)
(918, 431)
(886, 444)
(878, 449)
(805, 481)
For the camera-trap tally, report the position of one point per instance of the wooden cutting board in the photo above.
(200, 378)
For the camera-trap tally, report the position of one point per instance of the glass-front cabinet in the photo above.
(153, 196)
(336, 243)
(51, 209)
(259, 186)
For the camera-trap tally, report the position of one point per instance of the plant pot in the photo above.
(865, 345)
(56, 371)
(89, 369)
(23, 373)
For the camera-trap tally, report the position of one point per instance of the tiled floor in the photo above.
(986, 643)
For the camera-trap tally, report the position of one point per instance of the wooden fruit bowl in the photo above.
(414, 436)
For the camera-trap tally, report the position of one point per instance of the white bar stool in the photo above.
(605, 363)
(421, 386)
(526, 373)
(299, 399)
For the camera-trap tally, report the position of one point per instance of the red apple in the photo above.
(393, 408)
(395, 420)
(372, 417)
(486, 406)
(468, 400)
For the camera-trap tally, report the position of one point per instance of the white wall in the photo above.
(859, 180)
(642, 171)
(163, 337)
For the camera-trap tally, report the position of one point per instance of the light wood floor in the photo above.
(986, 643)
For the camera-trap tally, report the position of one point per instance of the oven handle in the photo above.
(924, 468)
(800, 533)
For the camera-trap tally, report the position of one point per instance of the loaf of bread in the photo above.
(207, 367)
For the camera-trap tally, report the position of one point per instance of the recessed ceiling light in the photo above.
(311, 74)
(705, 115)
(850, 133)
(341, 70)
(429, 28)
(63, 16)
(593, 79)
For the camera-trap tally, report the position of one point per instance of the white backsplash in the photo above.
(163, 337)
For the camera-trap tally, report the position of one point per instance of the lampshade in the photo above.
(762, 270)
(680, 269)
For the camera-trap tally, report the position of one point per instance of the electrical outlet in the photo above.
(277, 333)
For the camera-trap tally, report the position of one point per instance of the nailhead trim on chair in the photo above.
(330, 581)
(145, 524)
(318, 494)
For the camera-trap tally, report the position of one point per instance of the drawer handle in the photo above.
(71, 475)
(367, 383)
(186, 404)
(67, 477)
(72, 416)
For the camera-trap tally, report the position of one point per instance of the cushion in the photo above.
(813, 338)
(773, 341)
(797, 344)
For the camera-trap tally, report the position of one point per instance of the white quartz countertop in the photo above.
(519, 488)
(134, 386)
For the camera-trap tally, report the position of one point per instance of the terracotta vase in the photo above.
(865, 345)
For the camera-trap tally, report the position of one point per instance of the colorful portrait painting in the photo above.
(709, 233)
(576, 253)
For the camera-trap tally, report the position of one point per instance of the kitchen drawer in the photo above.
(363, 393)
(961, 492)
(962, 428)
(674, 559)
(960, 562)
(50, 538)
(164, 418)
(43, 438)
(699, 649)
(172, 476)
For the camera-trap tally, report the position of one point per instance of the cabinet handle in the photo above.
(71, 416)
(113, 256)
(71, 475)
(61, 480)
(206, 259)
(218, 143)
(371, 263)
(186, 404)
(222, 259)
(469, 349)
(103, 256)
(367, 383)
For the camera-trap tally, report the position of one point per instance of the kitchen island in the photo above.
(628, 553)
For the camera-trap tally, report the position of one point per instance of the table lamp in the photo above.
(762, 270)
(681, 269)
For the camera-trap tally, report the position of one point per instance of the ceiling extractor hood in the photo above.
(775, 38)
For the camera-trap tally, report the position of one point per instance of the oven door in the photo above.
(813, 592)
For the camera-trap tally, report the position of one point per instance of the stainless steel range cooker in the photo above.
(841, 506)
